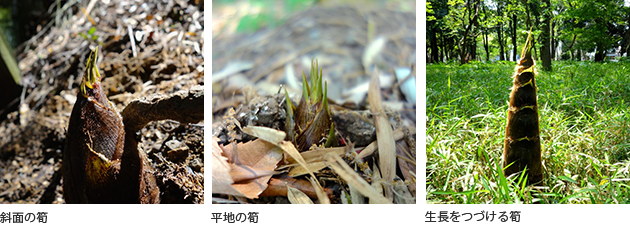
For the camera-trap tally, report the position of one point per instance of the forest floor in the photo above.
(251, 72)
(147, 48)
(584, 130)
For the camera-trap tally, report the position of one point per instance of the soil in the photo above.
(145, 48)
(255, 69)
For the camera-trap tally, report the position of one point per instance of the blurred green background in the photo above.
(248, 16)
(20, 20)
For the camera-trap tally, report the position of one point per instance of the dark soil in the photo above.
(146, 48)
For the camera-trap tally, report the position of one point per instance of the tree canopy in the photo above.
(491, 30)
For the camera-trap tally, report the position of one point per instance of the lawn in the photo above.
(584, 130)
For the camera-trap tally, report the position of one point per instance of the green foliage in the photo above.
(89, 36)
(584, 127)
(430, 12)
(6, 25)
(594, 22)
(270, 16)
(296, 5)
(457, 17)
(251, 23)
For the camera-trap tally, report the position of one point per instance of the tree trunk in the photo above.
(473, 49)
(499, 30)
(486, 45)
(433, 43)
(626, 40)
(473, 40)
(528, 22)
(463, 44)
(570, 48)
(442, 47)
(484, 34)
(552, 39)
(545, 54)
(514, 52)
(501, 49)
(599, 55)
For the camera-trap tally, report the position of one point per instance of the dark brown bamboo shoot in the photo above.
(101, 162)
(522, 134)
(308, 124)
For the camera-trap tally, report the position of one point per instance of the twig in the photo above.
(367, 151)
(132, 41)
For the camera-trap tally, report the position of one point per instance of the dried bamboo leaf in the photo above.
(377, 181)
(293, 153)
(407, 168)
(372, 50)
(268, 134)
(299, 170)
(403, 195)
(297, 197)
(319, 155)
(384, 134)
(321, 194)
(351, 177)
(355, 196)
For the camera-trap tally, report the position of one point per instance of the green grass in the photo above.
(584, 128)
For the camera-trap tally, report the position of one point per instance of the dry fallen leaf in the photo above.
(372, 50)
(275, 138)
(221, 179)
(278, 187)
(243, 169)
(296, 196)
(321, 194)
